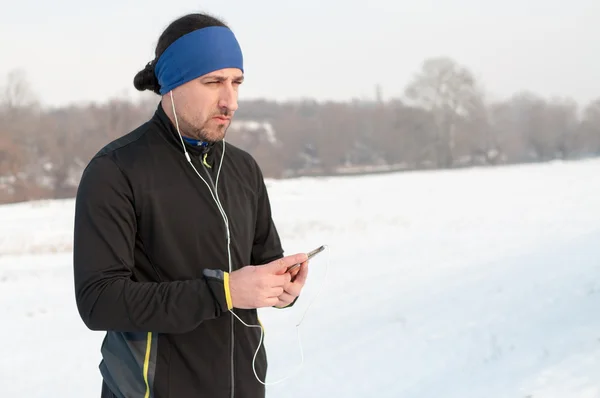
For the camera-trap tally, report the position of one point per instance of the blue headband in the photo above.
(196, 54)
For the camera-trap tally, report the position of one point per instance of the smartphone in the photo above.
(310, 255)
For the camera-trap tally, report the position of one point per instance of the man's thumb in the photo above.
(282, 264)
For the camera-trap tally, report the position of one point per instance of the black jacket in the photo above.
(151, 264)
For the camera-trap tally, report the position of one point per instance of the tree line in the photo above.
(443, 120)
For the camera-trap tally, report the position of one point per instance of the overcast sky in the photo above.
(327, 49)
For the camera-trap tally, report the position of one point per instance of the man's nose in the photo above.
(229, 97)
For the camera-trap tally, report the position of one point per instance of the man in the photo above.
(174, 238)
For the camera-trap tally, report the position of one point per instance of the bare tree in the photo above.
(450, 92)
(16, 184)
(295, 130)
(17, 92)
(402, 134)
(562, 124)
(587, 142)
(339, 134)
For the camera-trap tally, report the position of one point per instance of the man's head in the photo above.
(198, 65)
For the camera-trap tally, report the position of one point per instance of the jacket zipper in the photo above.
(214, 189)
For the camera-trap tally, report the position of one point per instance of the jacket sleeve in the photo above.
(267, 244)
(107, 295)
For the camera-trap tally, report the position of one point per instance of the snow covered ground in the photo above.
(470, 283)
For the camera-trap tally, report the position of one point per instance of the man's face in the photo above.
(205, 106)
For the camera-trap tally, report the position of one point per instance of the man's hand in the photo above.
(292, 289)
(256, 286)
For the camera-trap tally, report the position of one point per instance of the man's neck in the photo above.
(167, 108)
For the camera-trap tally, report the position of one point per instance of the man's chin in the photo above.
(216, 135)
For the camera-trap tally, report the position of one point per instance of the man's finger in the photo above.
(281, 280)
(300, 278)
(281, 304)
(286, 298)
(271, 302)
(294, 272)
(293, 289)
(285, 262)
(276, 292)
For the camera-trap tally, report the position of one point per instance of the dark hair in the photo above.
(146, 79)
